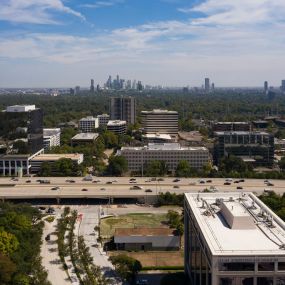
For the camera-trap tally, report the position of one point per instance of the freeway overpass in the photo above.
(120, 187)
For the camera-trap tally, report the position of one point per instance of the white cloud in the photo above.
(236, 41)
(102, 4)
(34, 11)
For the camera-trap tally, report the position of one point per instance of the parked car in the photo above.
(47, 238)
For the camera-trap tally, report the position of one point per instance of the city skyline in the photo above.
(163, 42)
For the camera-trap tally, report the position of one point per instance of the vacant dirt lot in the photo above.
(156, 258)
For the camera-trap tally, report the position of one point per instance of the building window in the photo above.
(236, 280)
(236, 266)
(281, 266)
(266, 266)
(265, 281)
(280, 280)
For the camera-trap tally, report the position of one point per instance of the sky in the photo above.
(64, 43)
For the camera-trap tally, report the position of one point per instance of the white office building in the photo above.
(88, 124)
(20, 108)
(232, 239)
(160, 121)
(171, 153)
(118, 127)
(103, 119)
(51, 138)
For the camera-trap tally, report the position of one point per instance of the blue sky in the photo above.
(62, 43)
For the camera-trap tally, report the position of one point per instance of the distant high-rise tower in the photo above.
(92, 88)
(265, 86)
(207, 84)
(77, 90)
(123, 108)
(213, 86)
(283, 85)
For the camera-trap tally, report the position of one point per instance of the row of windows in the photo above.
(249, 266)
(12, 163)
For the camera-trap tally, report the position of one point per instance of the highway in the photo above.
(120, 187)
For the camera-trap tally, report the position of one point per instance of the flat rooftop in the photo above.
(54, 157)
(158, 136)
(159, 111)
(116, 123)
(237, 224)
(85, 136)
(165, 147)
(144, 232)
(240, 133)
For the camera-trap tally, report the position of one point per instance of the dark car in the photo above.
(176, 180)
(227, 183)
(55, 188)
(109, 182)
(28, 181)
(47, 238)
(209, 181)
(148, 191)
(239, 188)
(84, 189)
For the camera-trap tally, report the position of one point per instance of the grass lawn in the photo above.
(108, 225)
(156, 258)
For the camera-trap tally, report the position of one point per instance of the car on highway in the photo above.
(42, 181)
(236, 181)
(28, 181)
(142, 282)
(136, 187)
(229, 180)
(84, 189)
(103, 189)
(239, 187)
(109, 182)
(55, 188)
(227, 183)
(241, 180)
(192, 183)
(132, 179)
(176, 186)
(47, 238)
(133, 182)
(148, 191)
(70, 181)
(270, 184)
(202, 182)
(176, 180)
(209, 181)
(160, 179)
